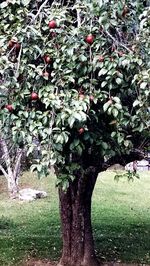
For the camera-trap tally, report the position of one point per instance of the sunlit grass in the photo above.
(121, 218)
(121, 221)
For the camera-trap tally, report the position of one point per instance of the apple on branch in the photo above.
(90, 39)
(34, 96)
(52, 24)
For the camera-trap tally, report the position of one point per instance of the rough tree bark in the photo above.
(75, 211)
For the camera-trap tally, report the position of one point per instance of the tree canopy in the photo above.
(75, 77)
(75, 83)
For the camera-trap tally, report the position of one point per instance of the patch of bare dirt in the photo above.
(35, 262)
(3, 187)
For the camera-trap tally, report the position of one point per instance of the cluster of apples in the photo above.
(13, 43)
(48, 60)
(34, 97)
(53, 25)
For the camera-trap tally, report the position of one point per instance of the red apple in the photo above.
(89, 39)
(91, 98)
(14, 43)
(47, 59)
(81, 130)
(17, 46)
(125, 11)
(10, 44)
(52, 24)
(9, 107)
(34, 96)
(101, 58)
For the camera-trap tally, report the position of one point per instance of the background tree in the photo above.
(11, 154)
(76, 77)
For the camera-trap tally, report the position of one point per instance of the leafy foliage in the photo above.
(90, 97)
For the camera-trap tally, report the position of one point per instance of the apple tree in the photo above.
(75, 76)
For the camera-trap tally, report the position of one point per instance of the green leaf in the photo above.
(39, 167)
(118, 106)
(113, 134)
(116, 99)
(104, 145)
(136, 102)
(71, 121)
(77, 116)
(115, 112)
(102, 72)
(83, 58)
(30, 150)
(26, 114)
(79, 149)
(74, 144)
(118, 81)
(18, 123)
(65, 136)
(143, 85)
(125, 62)
(53, 161)
(60, 139)
(126, 143)
(4, 4)
(106, 105)
(65, 185)
(103, 84)
(33, 167)
(25, 2)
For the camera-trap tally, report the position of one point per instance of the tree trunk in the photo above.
(12, 172)
(12, 188)
(75, 211)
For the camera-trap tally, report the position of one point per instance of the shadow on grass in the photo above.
(41, 239)
(6, 223)
(120, 242)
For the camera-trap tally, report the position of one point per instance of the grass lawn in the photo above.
(121, 221)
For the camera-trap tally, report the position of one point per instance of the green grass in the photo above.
(121, 221)
(121, 218)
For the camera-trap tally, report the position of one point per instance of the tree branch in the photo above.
(17, 164)
(78, 18)
(37, 14)
(19, 58)
(123, 159)
(116, 41)
(6, 156)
